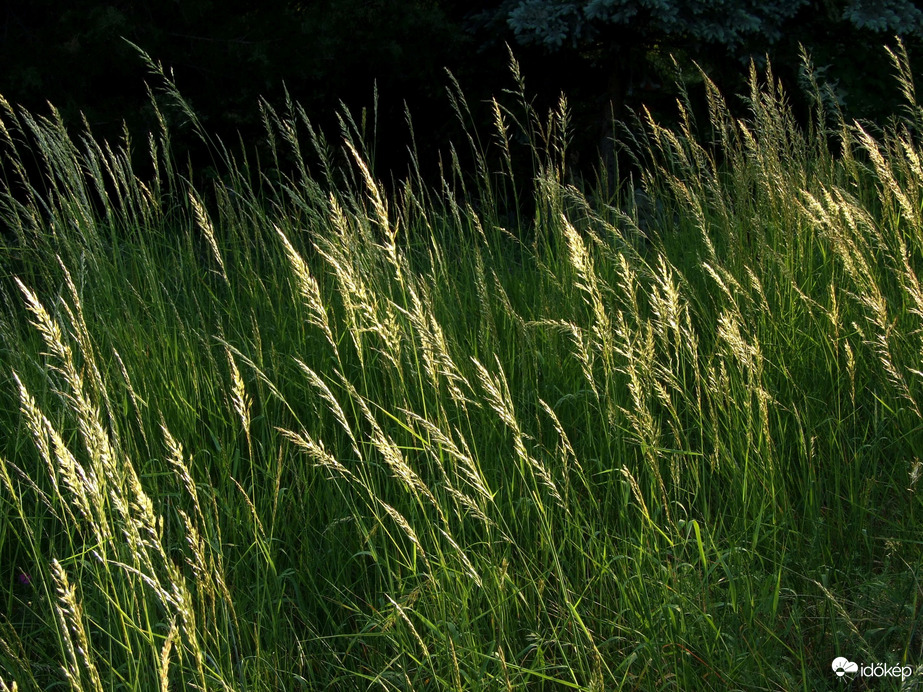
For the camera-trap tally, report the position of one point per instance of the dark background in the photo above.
(227, 54)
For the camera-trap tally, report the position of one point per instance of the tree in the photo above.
(622, 40)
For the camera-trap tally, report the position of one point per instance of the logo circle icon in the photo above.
(842, 665)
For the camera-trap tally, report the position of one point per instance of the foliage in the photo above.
(621, 35)
(728, 22)
(312, 435)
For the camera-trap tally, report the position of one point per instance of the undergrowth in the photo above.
(291, 431)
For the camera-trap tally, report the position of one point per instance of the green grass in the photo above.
(288, 431)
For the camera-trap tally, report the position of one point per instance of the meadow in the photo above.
(289, 429)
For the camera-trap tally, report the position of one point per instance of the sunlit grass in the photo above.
(290, 431)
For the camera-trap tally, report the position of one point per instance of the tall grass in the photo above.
(292, 431)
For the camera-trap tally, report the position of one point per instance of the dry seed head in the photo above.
(390, 451)
(180, 468)
(389, 329)
(714, 273)
(165, 651)
(257, 523)
(183, 601)
(502, 131)
(602, 328)
(403, 615)
(568, 450)
(309, 288)
(579, 258)
(886, 175)
(469, 504)
(316, 451)
(499, 400)
(49, 329)
(665, 301)
(146, 520)
(253, 366)
(63, 615)
(447, 366)
(70, 619)
(911, 283)
(128, 527)
(379, 205)
(205, 224)
(758, 287)
(644, 425)
(628, 282)
(882, 345)
(357, 299)
(749, 355)
(239, 395)
(39, 425)
(539, 468)
(95, 438)
(468, 468)
(464, 558)
(420, 319)
(407, 529)
(851, 239)
(86, 493)
(82, 333)
(198, 563)
(916, 470)
(338, 217)
(636, 491)
(332, 404)
(851, 370)
(913, 158)
(401, 469)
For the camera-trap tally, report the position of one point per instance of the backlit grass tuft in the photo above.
(292, 431)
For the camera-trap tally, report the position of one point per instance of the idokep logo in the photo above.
(843, 666)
